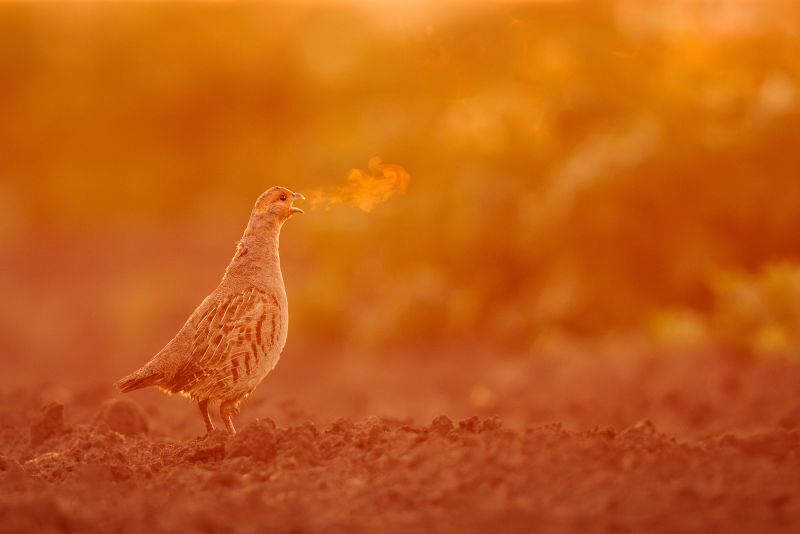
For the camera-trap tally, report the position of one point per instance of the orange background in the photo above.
(578, 170)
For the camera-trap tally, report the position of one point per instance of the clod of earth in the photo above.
(49, 423)
(123, 416)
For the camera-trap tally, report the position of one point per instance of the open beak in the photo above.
(295, 197)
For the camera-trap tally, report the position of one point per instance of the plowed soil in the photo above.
(563, 443)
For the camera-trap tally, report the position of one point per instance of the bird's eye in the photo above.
(283, 197)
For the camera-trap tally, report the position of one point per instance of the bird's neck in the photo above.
(257, 260)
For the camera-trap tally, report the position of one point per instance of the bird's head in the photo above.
(276, 204)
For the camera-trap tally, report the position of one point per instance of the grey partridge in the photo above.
(236, 335)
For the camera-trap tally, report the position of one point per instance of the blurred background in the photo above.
(581, 172)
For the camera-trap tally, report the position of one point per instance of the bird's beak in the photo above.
(297, 196)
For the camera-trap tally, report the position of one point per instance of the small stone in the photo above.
(49, 423)
(123, 416)
(644, 427)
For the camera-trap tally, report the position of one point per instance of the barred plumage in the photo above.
(236, 335)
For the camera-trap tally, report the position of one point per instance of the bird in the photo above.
(235, 337)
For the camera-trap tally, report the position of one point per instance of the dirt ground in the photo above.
(583, 441)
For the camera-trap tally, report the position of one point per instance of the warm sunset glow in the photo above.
(463, 266)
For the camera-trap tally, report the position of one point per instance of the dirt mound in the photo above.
(49, 423)
(257, 441)
(123, 416)
(467, 476)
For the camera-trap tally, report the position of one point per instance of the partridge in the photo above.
(236, 335)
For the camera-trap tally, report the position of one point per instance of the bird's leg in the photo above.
(203, 404)
(226, 411)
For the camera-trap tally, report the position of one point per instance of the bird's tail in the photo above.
(140, 379)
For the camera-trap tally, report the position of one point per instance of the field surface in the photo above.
(570, 443)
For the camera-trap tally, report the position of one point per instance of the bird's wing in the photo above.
(227, 340)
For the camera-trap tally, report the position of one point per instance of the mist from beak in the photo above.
(365, 189)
